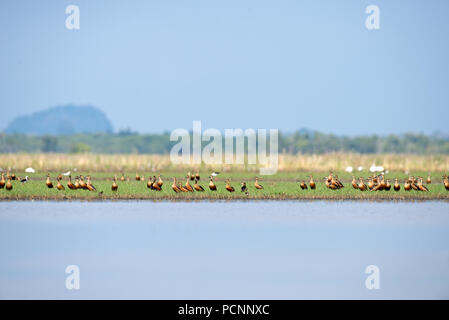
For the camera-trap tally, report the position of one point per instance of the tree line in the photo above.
(301, 141)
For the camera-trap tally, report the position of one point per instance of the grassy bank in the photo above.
(282, 186)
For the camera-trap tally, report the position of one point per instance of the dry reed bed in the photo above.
(156, 163)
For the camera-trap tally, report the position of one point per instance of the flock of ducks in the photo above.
(374, 183)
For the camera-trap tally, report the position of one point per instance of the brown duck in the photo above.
(70, 185)
(8, 185)
(361, 186)
(212, 186)
(174, 186)
(257, 184)
(197, 187)
(312, 183)
(59, 186)
(2, 181)
(396, 186)
(114, 186)
(48, 182)
(229, 187)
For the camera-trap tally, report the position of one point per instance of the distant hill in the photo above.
(62, 120)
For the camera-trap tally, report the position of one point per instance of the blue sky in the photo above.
(159, 65)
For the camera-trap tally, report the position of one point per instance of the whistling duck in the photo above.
(229, 187)
(446, 182)
(191, 176)
(354, 183)
(114, 186)
(156, 185)
(361, 186)
(83, 184)
(89, 184)
(150, 183)
(407, 185)
(257, 184)
(303, 185)
(77, 183)
(413, 184)
(312, 183)
(142, 178)
(159, 181)
(377, 187)
(243, 188)
(59, 186)
(59, 177)
(188, 186)
(370, 183)
(48, 182)
(70, 184)
(339, 183)
(182, 188)
(122, 178)
(422, 187)
(13, 176)
(2, 181)
(197, 187)
(197, 176)
(174, 186)
(428, 181)
(396, 186)
(8, 185)
(387, 185)
(137, 177)
(212, 186)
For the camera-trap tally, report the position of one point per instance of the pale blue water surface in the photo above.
(235, 250)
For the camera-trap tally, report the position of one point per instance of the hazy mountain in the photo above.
(63, 120)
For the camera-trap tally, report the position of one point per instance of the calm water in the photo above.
(260, 250)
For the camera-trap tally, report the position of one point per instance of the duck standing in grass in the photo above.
(258, 185)
(303, 185)
(137, 177)
(420, 185)
(114, 186)
(156, 184)
(429, 181)
(77, 183)
(354, 183)
(446, 182)
(2, 181)
(197, 187)
(229, 187)
(361, 186)
(8, 185)
(387, 185)
(150, 183)
(212, 185)
(83, 184)
(174, 186)
(159, 181)
(407, 185)
(396, 186)
(59, 186)
(312, 183)
(188, 186)
(89, 185)
(48, 182)
(244, 188)
(70, 184)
